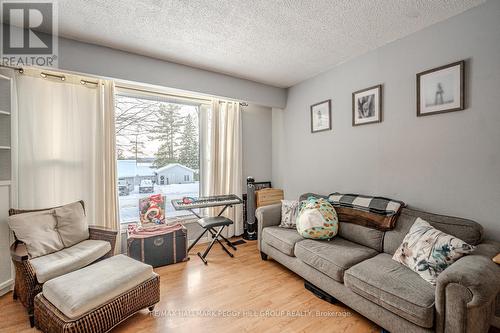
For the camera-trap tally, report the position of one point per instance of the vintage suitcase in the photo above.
(161, 249)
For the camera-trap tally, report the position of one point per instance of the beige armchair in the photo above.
(28, 283)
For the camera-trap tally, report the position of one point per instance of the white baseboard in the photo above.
(6, 286)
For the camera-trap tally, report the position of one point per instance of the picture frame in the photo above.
(367, 106)
(441, 89)
(321, 116)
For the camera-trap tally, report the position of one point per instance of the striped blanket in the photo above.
(374, 212)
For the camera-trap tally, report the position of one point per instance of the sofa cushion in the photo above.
(38, 231)
(394, 287)
(281, 239)
(332, 257)
(72, 223)
(469, 231)
(372, 238)
(81, 291)
(69, 259)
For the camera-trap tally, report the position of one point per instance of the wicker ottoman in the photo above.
(98, 297)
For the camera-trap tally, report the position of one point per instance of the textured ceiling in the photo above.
(278, 42)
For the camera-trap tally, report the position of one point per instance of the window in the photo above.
(157, 139)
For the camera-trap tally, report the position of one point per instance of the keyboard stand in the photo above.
(198, 216)
(209, 224)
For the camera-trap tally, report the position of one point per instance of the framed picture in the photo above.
(321, 116)
(367, 106)
(441, 89)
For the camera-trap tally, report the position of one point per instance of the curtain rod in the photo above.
(84, 82)
(169, 95)
(161, 93)
(19, 69)
(55, 76)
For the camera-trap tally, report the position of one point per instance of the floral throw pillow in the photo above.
(289, 213)
(317, 219)
(428, 251)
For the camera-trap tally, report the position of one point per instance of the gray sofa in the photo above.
(356, 268)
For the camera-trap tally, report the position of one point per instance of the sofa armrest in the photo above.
(488, 248)
(465, 295)
(105, 234)
(267, 216)
(18, 251)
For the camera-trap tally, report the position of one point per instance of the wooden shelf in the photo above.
(5, 147)
(5, 112)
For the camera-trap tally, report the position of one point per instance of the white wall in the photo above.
(448, 163)
(102, 61)
(257, 142)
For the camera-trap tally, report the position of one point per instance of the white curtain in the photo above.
(221, 156)
(106, 198)
(66, 146)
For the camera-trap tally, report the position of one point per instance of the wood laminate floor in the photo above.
(240, 294)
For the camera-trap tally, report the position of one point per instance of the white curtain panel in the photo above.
(66, 146)
(221, 156)
(106, 198)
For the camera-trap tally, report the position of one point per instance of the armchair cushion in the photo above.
(38, 231)
(72, 223)
(69, 259)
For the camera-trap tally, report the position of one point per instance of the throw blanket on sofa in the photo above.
(373, 212)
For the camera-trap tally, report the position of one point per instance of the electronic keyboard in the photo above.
(204, 202)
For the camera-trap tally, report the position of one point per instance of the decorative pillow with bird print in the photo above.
(428, 251)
